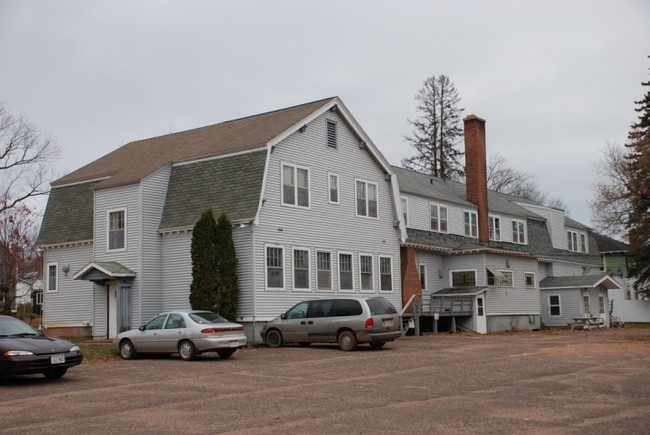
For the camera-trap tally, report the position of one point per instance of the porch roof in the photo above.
(459, 291)
(103, 270)
(579, 281)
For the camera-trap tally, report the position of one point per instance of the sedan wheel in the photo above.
(127, 351)
(187, 350)
(55, 373)
(274, 338)
(225, 354)
(347, 341)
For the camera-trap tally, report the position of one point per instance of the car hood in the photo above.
(36, 344)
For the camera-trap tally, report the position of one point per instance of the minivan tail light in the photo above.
(370, 324)
(221, 329)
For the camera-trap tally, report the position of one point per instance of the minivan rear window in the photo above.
(380, 306)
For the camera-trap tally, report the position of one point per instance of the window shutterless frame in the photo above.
(52, 277)
(116, 230)
(274, 267)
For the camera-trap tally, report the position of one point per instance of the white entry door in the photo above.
(112, 310)
(481, 320)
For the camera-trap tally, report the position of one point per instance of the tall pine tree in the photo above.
(438, 132)
(203, 290)
(638, 190)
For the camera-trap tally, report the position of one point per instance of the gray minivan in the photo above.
(346, 321)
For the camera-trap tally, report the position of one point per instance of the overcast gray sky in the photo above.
(555, 80)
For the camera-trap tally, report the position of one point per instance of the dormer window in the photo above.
(518, 232)
(577, 241)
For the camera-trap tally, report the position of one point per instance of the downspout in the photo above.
(140, 269)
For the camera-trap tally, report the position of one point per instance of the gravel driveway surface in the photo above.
(557, 383)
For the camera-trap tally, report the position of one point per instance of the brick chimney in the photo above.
(476, 172)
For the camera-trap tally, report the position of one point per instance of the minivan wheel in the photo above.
(273, 338)
(347, 341)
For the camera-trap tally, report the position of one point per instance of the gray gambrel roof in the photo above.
(197, 186)
(436, 189)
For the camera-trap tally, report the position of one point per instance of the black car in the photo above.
(25, 350)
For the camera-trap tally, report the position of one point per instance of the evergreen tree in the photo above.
(638, 190)
(227, 286)
(437, 133)
(203, 290)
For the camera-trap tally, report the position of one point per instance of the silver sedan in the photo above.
(186, 332)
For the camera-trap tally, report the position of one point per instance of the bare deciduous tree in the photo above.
(437, 133)
(506, 179)
(26, 158)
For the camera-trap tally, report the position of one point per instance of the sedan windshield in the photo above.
(10, 326)
(207, 317)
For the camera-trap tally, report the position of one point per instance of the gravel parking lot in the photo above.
(559, 382)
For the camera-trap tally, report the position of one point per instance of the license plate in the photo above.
(234, 343)
(57, 359)
(387, 323)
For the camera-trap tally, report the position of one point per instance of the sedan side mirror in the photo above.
(142, 327)
(283, 316)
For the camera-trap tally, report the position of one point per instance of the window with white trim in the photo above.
(506, 279)
(586, 310)
(463, 278)
(423, 276)
(438, 216)
(601, 304)
(295, 185)
(577, 241)
(529, 280)
(334, 188)
(405, 209)
(52, 277)
(554, 305)
(301, 269)
(471, 224)
(324, 270)
(274, 267)
(518, 232)
(116, 230)
(494, 223)
(365, 268)
(346, 281)
(366, 199)
(385, 274)
(39, 298)
(331, 133)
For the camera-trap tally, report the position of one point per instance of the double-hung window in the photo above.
(301, 269)
(554, 305)
(405, 209)
(274, 267)
(518, 232)
(345, 271)
(334, 188)
(366, 199)
(438, 218)
(385, 274)
(295, 185)
(471, 224)
(365, 267)
(423, 276)
(324, 269)
(52, 277)
(577, 241)
(463, 278)
(495, 227)
(116, 230)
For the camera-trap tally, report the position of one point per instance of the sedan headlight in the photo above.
(17, 353)
(75, 349)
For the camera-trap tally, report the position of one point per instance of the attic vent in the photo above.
(331, 134)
